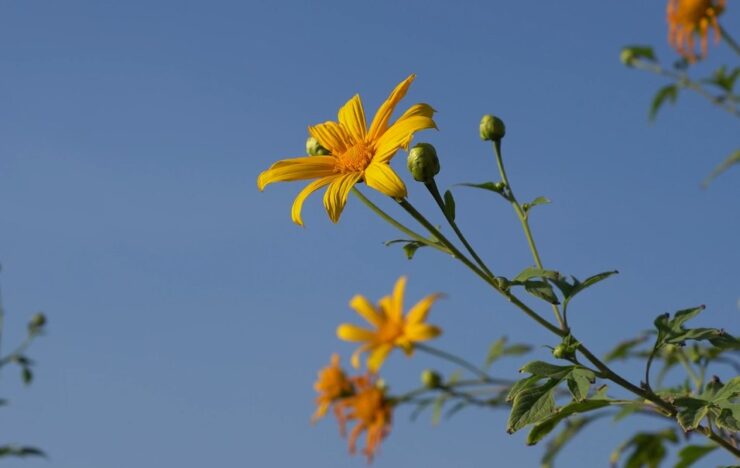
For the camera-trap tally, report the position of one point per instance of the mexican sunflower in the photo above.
(356, 153)
(372, 411)
(392, 329)
(331, 385)
(687, 17)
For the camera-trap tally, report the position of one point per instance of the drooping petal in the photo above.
(331, 136)
(383, 179)
(308, 190)
(400, 135)
(349, 332)
(421, 332)
(367, 310)
(308, 167)
(383, 116)
(418, 313)
(336, 195)
(352, 118)
(355, 359)
(377, 356)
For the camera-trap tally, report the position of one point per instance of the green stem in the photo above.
(524, 220)
(491, 281)
(483, 376)
(434, 190)
(729, 40)
(707, 431)
(385, 216)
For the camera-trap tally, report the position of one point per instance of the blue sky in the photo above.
(187, 314)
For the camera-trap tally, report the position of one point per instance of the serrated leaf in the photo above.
(545, 369)
(579, 383)
(729, 390)
(532, 405)
(449, 205)
(541, 290)
(543, 428)
(692, 411)
(688, 455)
(668, 92)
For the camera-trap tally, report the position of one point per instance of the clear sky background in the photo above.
(188, 316)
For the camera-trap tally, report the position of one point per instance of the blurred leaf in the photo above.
(543, 428)
(731, 160)
(449, 205)
(641, 52)
(495, 351)
(409, 246)
(26, 375)
(571, 428)
(455, 409)
(517, 349)
(722, 79)
(437, 409)
(669, 92)
(729, 417)
(17, 451)
(648, 449)
(622, 350)
(691, 453)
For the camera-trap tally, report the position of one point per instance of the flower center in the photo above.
(390, 331)
(355, 159)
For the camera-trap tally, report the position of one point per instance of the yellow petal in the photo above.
(335, 196)
(352, 118)
(400, 135)
(331, 136)
(377, 356)
(383, 116)
(383, 179)
(396, 307)
(308, 190)
(418, 313)
(421, 332)
(355, 359)
(366, 309)
(308, 167)
(349, 332)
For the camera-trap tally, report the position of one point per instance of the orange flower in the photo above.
(331, 385)
(687, 17)
(372, 411)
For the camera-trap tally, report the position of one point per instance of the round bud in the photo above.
(430, 379)
(423, 163)
(314, 148)
(499, 186)
(492, 128)
(560, 351)
(503, 283)
(627, 57)
(37, 322)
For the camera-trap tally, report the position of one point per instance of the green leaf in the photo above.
(26, 375)
(729, 417)
(572, 427)
(668, 92)
(641, 52)
(534, 272)
(541, 290)
(688, 455)
(409, 246)
(18, 451)
(437, 409)
(648, 449)
(485, 186)
(449, 205)
(729, 390)
(455, 409)
(517, 349)
(531, 405)
(545, 369)
(692, 411)
(622, 350)
(521, 385)
(570, 290)
(539, 201)
(543, 428)
(579, 382)
(495, 351)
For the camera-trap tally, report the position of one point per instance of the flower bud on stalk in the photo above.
(492, 128)
(430, 379)
(423, 162)
(37, 322)
(313, 148)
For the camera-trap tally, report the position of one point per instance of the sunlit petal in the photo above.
(308, 190)
(367, 310)
(384, 179)
(383, 116)
(336, 195)
(308, 167)
(349, 332)
(352, 118)
(418, 313)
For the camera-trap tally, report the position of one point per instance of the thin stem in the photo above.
(689, 370)
(682, 80)
(385, 216)
(491, 281)
(729, 40)
(19, 350)
(484, 377)
(434, 190)
(707, 431)
(524, 220)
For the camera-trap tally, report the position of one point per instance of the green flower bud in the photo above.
(627, 57)
(560, 351)
(503, 283)
(37, 322)
(423, 162)
(499, 186)
(430, 379)
(492, 128)
(313, 148)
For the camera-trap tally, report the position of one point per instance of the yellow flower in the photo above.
(372, 411)
(331, 385)
(687, 17)
(356, 153)
(392, 329)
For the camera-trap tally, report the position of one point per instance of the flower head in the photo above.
(392, 329)
(356, 153)
(331, 385)
(689, 17)
(372, 410)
